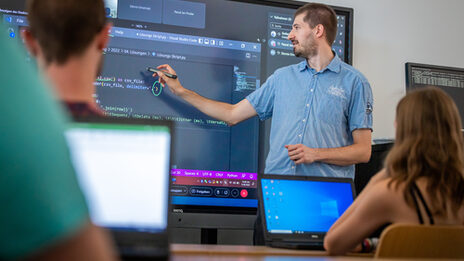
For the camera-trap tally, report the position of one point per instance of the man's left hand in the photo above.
(301, 154)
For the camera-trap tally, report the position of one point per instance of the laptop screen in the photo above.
(299, 206)
(123, 170)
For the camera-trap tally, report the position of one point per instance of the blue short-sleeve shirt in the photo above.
(317, 109)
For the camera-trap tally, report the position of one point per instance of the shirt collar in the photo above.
(303, 65)
(333, 66)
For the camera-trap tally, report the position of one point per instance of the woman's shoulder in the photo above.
(385, 191)
(385, 184)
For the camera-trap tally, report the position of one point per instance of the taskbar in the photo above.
(213, 184)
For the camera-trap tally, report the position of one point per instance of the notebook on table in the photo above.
(122, 166)
(297, 211)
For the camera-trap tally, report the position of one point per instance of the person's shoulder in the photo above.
(382, 187)
(293, 68)
(384, 192)
(352, 72)
(378, 202)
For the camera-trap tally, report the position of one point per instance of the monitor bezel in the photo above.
(248, 211)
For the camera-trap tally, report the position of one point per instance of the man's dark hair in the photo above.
(65, 28)
(320, 14)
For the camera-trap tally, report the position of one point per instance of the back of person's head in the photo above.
(315, 13)
(65, 28)
(429, 144)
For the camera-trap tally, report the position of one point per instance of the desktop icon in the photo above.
(11, 32)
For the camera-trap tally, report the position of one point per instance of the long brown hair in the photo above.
(429, 144)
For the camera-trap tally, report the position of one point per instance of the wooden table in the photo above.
(192, 252)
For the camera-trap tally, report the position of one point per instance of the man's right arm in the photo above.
(230, 113)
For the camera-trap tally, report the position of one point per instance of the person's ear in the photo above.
(104, 37)
(31, 42)
(319, 31)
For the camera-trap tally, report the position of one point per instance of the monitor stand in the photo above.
(202, 228)
(209, 236)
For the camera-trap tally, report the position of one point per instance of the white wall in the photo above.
(389, 33)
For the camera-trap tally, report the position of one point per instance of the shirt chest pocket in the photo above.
(332, 110)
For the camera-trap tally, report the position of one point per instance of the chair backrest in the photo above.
(421, 241)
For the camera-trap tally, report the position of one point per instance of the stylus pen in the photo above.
(170, 75)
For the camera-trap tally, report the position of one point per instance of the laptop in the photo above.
(297, 211)
(122, 166)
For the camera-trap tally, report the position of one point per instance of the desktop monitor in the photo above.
(223, 50)
(448, 79)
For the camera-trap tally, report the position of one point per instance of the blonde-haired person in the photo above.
(423, 178)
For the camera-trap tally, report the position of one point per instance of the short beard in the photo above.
(309, 50)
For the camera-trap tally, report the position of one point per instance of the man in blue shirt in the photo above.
(321, 108)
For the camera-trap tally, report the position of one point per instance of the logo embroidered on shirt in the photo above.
(337, 92)
(369, 108)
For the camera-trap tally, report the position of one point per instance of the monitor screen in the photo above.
(221, 49)
(123, 170)
(284, 200)
(449, 79)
